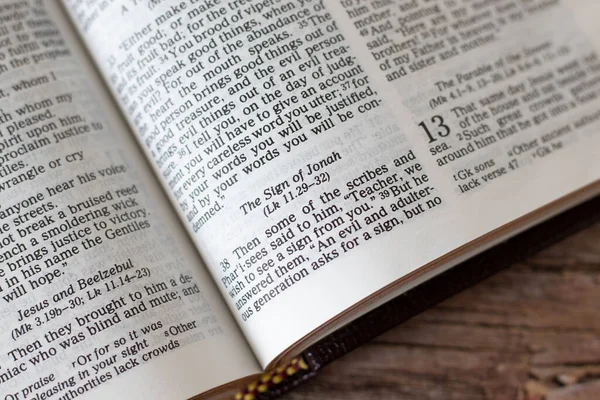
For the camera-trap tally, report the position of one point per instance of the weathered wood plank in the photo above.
(529, 333)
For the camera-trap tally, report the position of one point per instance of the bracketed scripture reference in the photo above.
(194, 191)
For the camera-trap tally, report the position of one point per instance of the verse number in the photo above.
(442, 130)
(225, 265)
(111, 60)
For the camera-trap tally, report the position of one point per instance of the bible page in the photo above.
(318, 151)
(102, 293)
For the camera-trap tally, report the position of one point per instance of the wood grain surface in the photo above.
(531, 332)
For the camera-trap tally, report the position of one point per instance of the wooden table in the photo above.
(531, 332)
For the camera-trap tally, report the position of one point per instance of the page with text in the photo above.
(102, 293)
(318, 151)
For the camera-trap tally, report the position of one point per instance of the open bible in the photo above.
(194, 192)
